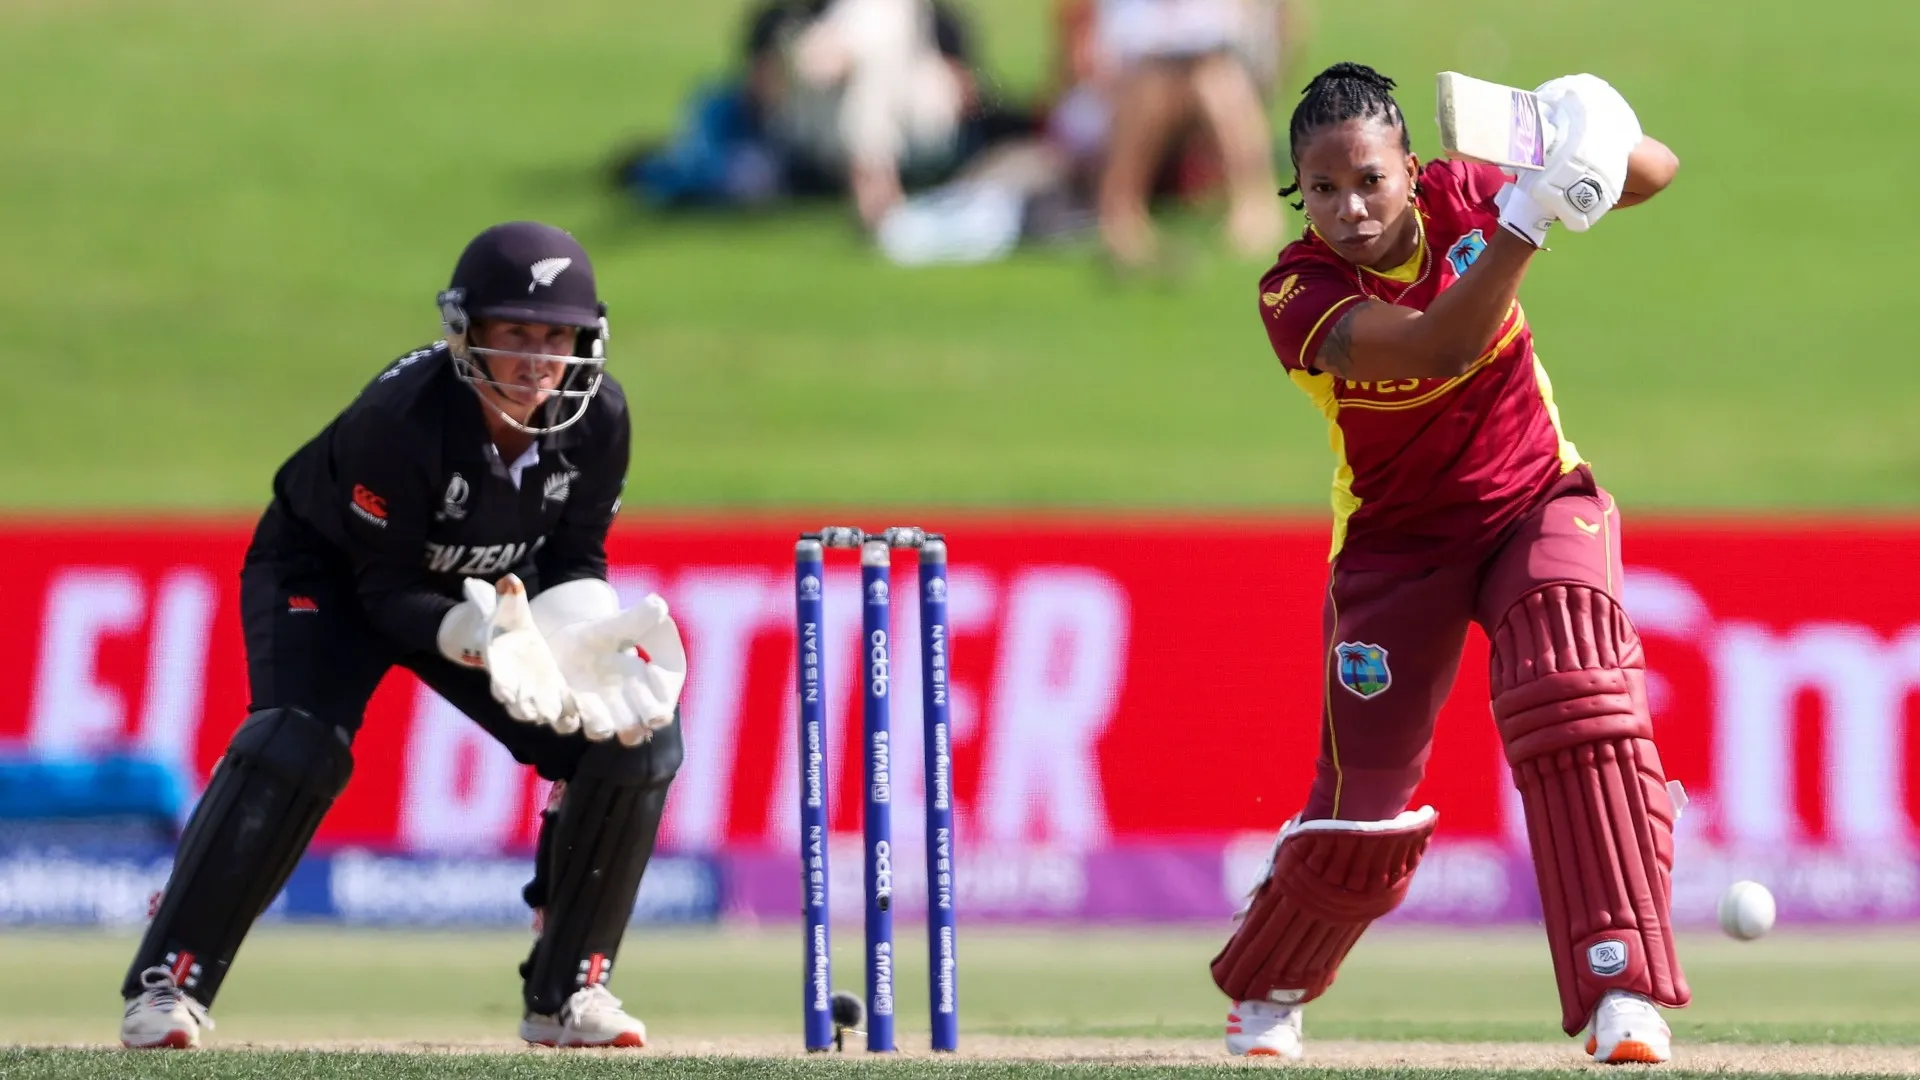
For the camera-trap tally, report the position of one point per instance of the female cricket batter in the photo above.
(487, 465)
(1458, 499)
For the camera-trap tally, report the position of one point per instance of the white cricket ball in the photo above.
(1746, 910)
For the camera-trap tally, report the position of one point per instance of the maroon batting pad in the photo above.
(1330, 880)
(1569, 694)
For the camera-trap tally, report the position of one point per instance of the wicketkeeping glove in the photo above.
(495, 630)
(625, 669)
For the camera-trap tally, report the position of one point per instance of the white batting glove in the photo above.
(495, 630)
(617, 690)
(1587, 173)
(1523, 214)
(1593, 132)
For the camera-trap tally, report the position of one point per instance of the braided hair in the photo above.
(1345, 91)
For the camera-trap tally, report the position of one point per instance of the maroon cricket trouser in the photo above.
(1394, 638)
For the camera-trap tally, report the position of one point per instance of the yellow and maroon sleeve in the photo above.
(1299, 305)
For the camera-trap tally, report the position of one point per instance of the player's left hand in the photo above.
(625, 669)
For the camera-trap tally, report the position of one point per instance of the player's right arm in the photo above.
(386, 502)
(1377, 340)
(1330, 327)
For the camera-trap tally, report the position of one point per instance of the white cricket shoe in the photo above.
(591, 1017)
(163, 1016)
(1628, 1028)
(1263, 1029)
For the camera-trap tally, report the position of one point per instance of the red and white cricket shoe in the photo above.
(163, 1016)
(1263, 1029)
(1627, 1028)
(591, 1017)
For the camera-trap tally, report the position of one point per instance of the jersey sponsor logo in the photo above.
(546, 270)
(1591, 528)
(302, 605)
(475, 560)
(1607, 958)
(557, 487)
(453, 505)
(1362, 668)
(1465, 250)
(369, 506)
(1277, 299)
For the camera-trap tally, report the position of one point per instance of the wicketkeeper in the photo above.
(451, 521)
(1458, 500)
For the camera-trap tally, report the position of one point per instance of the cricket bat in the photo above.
(1487, 122)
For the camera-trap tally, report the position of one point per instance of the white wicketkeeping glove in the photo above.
(1594, 132)
(494, 629)
(616, 690)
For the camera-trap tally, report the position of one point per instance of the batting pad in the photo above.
(1328, 882)
(267, 796)
(1569, 694)
(596, 845)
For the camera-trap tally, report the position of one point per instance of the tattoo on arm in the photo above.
(1335, 357)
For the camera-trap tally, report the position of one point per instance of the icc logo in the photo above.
(877, 593)
(809, 588)
(937, 591)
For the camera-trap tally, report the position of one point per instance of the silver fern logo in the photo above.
(546, 270)
(453, 506)
(558, 487)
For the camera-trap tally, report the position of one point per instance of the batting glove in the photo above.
(1587, 172)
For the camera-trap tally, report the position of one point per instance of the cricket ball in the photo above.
(1746, 910)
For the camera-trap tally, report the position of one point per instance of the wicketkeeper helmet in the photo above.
(523, 271)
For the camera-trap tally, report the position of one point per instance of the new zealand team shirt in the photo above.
(1427, 471)
(405, 492)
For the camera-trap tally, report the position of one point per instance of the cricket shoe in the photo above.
(591, 1017)
(1627, 1028)
(163, 1016)
(1263, 1029)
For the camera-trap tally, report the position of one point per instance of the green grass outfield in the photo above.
(1134, 1001)
(221, 217)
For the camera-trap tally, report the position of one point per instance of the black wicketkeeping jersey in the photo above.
(406, 492)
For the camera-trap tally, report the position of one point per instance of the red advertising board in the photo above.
(1113, 680)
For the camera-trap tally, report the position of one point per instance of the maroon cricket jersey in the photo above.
(1427, 471)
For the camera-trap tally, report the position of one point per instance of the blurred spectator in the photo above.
(870, 95)
(1170, 62)
(858, 97)
(1147, 98)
